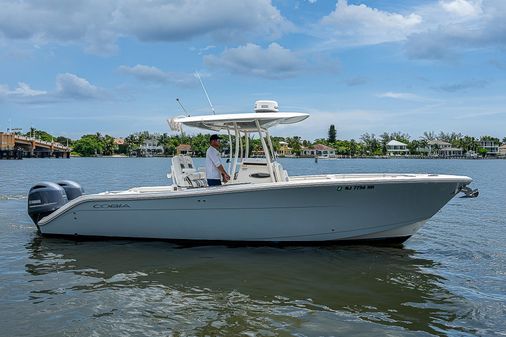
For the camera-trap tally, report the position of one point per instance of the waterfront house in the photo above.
(318, 150)
(119, 141)
(184, 149)
(150, 148)
(436, 146)
(502, 150)
(439, 148)
(284, 150)
(396, 148)
(449, 152)
(491, 147)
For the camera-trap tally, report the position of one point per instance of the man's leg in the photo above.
(213, 182)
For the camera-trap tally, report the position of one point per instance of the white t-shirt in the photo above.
(212, 162)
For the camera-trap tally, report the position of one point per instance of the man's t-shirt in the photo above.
(212, 162)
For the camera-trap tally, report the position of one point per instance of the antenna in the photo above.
(205, 91)
(182, 107)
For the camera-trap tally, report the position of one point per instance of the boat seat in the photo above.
(184, 173)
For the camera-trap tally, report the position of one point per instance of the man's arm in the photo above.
(224, 173)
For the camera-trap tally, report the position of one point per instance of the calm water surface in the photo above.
(449, 279)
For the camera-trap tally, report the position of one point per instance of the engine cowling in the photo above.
(72, 189)
(46, 197)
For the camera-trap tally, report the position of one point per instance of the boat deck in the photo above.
(362, 178)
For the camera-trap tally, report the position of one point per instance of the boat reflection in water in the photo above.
(152, 288)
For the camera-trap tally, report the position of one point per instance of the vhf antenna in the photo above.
(205, 91)
(182, 107)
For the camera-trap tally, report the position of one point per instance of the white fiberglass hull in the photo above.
(305, 209)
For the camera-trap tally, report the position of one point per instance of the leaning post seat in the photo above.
(184, 173)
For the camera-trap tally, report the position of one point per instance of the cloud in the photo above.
(24, 90)
(272, 62)
(460, 86)
(363, 25)
(98, 24)
(23, 93)
(74, 87)
(435, 30)
(156, 75)
(454, 26)
(402, 96)
(68, 87)
(462, 7)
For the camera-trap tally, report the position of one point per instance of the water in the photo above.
(449, 279)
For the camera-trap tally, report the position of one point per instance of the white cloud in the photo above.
(401, 95)
(458, 25)
(98, 24)
(435, 30)
(363, 25)
(462, 7)
(272, 62)
(72, 86)
(24, 90)
(156, 75)
(68, 87)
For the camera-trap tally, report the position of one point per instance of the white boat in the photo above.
(261, 203)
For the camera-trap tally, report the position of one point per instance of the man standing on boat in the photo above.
(214, 168)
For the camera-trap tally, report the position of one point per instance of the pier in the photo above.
(14, 146)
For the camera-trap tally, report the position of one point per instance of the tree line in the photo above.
(367, 145)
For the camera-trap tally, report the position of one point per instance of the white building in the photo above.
(150, 148)
(396, 148)
(502, 150)
(319, 150)
(441, 148)
(491, 147)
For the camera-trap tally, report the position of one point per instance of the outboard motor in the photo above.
(72, 189)
(44, 198)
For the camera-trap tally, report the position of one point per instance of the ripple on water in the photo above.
(12, 197)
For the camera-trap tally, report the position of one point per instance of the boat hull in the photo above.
(287, 212)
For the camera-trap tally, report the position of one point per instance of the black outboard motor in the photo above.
(72, 189)
(44, 198)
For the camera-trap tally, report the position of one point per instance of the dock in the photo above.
(14, 146)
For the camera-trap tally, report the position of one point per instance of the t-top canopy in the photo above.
(244, 122)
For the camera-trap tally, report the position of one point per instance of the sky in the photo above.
(117, 66)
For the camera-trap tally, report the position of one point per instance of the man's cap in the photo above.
(214, 137)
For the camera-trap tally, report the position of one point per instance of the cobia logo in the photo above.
(111, 206)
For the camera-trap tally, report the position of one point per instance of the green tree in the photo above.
(429, 135)
(490, 139)
(88, 145)
(295, 144)
(414, 145)
(371, 144)
(332, 134)
(109, 145)
(482, 152)
(40, 134)
(64, 140)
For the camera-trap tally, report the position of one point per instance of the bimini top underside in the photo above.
(246, 122)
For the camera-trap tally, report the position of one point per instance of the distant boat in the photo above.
(261, 203)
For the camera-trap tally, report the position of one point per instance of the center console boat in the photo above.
(261, 203)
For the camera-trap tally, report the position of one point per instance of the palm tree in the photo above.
(429, 135)
(109, 145)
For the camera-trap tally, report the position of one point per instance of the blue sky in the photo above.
(117, 66)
